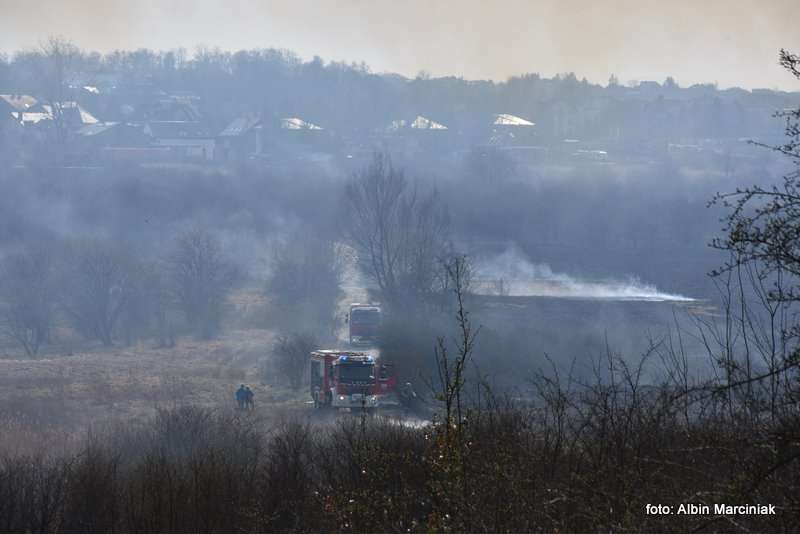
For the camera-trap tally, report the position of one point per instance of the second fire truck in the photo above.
(365, 323)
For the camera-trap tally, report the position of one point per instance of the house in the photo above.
(28, 118)
(286, 137)
(296, 137)
(11, 131)
(419, 123)
(415, 135)
(72, 115)
(16, 104)
(242, 138)
(186, 139)
(511, 130)
(175, 107)
(104, 139)
(12, 111)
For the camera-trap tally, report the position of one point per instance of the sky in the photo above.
(728, 42)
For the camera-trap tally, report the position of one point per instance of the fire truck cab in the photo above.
(365, 323)
(348, 379)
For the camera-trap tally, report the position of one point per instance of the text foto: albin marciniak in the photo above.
(716, 509)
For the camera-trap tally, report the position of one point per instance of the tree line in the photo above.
(107, 293)
(109, 290)
(349, 97)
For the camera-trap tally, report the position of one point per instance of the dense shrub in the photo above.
(586, 462)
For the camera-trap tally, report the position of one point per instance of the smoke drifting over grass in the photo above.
(512, 274)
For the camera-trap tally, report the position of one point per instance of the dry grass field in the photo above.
(51, 402)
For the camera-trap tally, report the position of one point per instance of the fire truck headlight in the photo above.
(341, 397)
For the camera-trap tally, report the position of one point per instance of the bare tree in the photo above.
(291, 356)
(27, 296)
(99, 282)
(144, 313)
(58, 58)
(763, 225)
(202, 277)
(398, 234)
(762, 236)
(160, 291)
(451, 370)
(306, 272)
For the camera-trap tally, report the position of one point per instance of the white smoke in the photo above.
(513, 274)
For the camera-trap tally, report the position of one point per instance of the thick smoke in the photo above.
(511, 273)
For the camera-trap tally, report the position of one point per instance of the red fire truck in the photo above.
(347, 379)
(365, 323)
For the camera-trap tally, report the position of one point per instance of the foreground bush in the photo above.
(588, 464)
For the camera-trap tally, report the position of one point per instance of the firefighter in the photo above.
(248, 398)
(241, 397)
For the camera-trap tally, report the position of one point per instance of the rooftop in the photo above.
(294, 123)
(504, 119)
(72, 107)
(240, 126)
(419, 123)
(19, 102)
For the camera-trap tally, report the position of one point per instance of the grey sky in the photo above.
(731, 42)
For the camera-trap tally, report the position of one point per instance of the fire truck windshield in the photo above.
(365, 317)
(356, 372)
